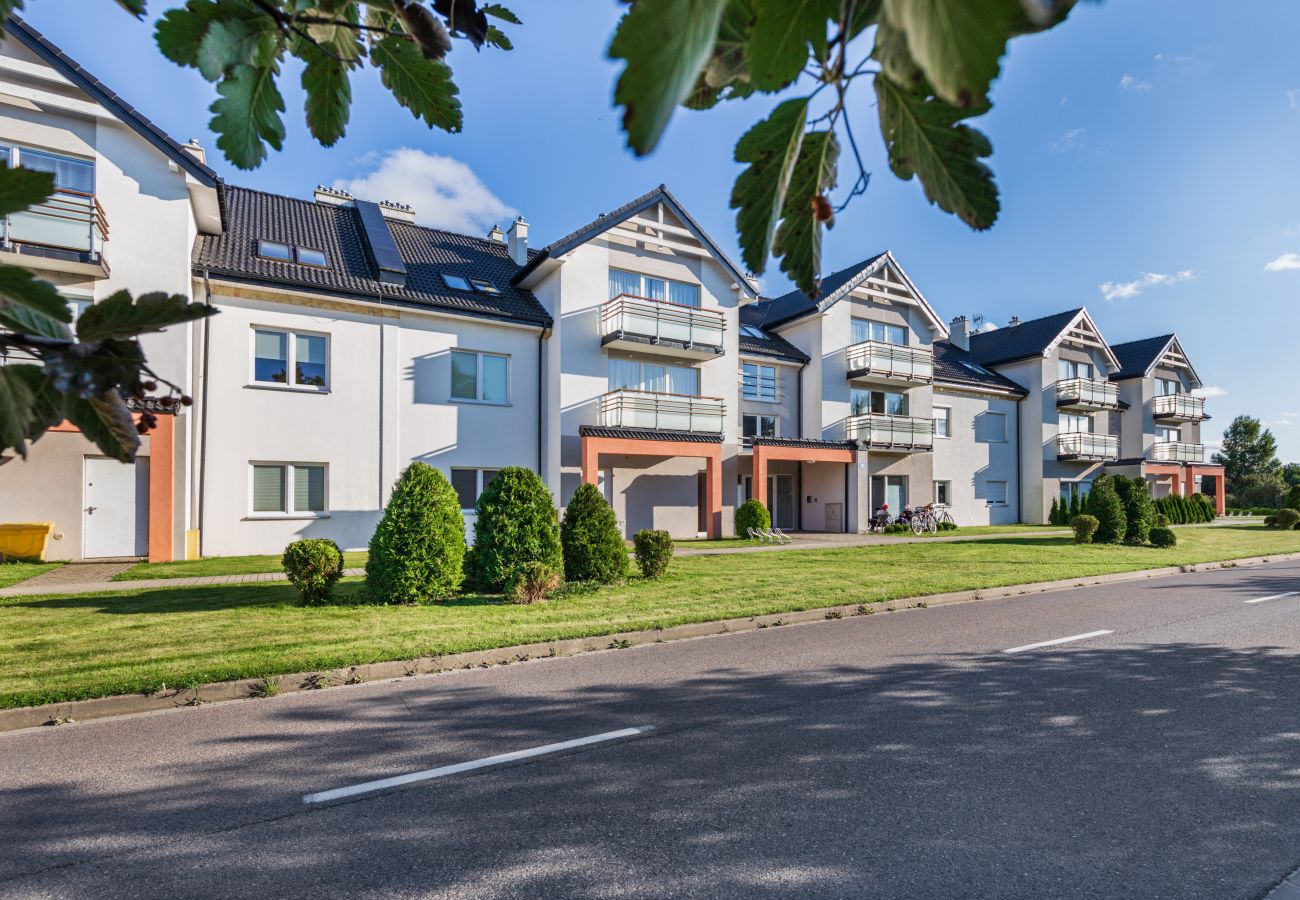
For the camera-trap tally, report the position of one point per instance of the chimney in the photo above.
(194, 149)
(496, 234)
(1015, 320)
(959, 333)
(332, 196)
(399, 211)
(517, 239)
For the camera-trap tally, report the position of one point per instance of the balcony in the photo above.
(66, 233)
(1178, 408)
(669, 329)
(901, 434)
(661, 412)
(1177, 451)
(1087, 394)
(890, 362)
(1086, 446)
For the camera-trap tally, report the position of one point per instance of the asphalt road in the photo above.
(895, 755)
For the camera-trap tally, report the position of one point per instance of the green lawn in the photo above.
(221, 565)
(59, 648)
(14, 572)
(999, 529)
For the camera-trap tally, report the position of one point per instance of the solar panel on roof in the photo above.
(379, 241)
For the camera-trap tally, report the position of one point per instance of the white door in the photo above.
(115, 518)
(834, 517)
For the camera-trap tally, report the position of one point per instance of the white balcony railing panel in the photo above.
(1177, 451)
(1086, 445)
(1087, 392)
(880, 430)
(661, 321)
(662, 412)
(891, 361)
(70, 220)
(1178, 406)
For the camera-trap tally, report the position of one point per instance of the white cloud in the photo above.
(1174, 58)
(1123, 290)
(1068, 141)
(444, 191)
(1210, 392)
(1284, 262)
(1133, 83)
(1293, 97)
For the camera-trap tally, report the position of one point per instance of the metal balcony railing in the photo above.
(877, 358)
(891, 432)
(1087, 393)
(68, 220)
(1177, 451)
(627, 408)
(1178, 406)
(662, 322)
(1086, 445)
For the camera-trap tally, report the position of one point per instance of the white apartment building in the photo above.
(630, 353)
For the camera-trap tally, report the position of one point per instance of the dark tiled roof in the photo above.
(949, 369)
(1136, 357)
(796, 303)
(626, 211)
(255, 215)
(804, 443)
(769, 344)
(70, 69)
(1014, 342)
(649, 434)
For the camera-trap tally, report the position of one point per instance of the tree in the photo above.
(1248, 449)
(515, 525)
(1291, 474)
(418, 549)
(593, 547)
(1139, 511)
(1106, 507)
(1258, 489)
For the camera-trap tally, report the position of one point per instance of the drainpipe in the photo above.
(541, 403)
(1020, 488)
(798, 469)
(203, 415)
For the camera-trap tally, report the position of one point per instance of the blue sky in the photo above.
(1146, 153)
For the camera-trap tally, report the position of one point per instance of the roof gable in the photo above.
(1039, 337)
(1138, 359)
(955, 366)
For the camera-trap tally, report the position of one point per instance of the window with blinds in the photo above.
(758, 382)
(288, 489)
(70, 174)
(635, 376)
(634, 284)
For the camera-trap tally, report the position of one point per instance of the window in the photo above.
(70, 174)
(287, 489)
(469, 485)
(991, 428)
(277, 353)
(889, 403)
(456, 282)
(635, 376)
(1169, 434)
(996, 493)
(633, 284)
(758, 382)
(1069, 368)
(752, 426)
(868, 330)
(1069, 423)
(479, 377)
(942, 422)
(310, 257)
(307, 256)
(484, 287)
(943, 493)
(1071, 489)
(751, 331)
(272, 250)
(1167, 386)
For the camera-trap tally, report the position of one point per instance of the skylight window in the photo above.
(976, 368)
(751, 331)
(456, 282)
(272, 250)
(484, 287)
(306, 256)
(311, 257)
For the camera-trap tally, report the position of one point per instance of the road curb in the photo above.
(250, 688)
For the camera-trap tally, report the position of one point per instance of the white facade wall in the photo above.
(968, 460)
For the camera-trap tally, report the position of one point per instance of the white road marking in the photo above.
(1272, 597)
(1053, 643)
(427, 774)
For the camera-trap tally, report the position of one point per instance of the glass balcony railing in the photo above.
(1177, 451)
(661, 322)
(1183, 407)
(1087, 393)
(890, 361)
(1086, 445)
(891, 432)
(68, 220)
(661, 412)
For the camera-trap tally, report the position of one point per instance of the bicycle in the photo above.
(942, 515)
(924, 520)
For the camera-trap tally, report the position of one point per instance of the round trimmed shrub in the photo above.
(313, 566)
(654, 550)
(516, 525)
(1163, 537)
(530, 582)
(1106, 507)
(947, 526)
(1286, 519)
(417, 552)
(1270, 521)
(752, 514)
(1085, 527)
(589, 535)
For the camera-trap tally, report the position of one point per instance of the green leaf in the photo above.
(798, 239)
(778, 47)
(865, 14)
(894, 57)
(106, 422)
(118, 317)
(25, 320)
(665, 43)
(497, 38)
(329, 95)
(958, 44)
(23, 188)
(247, 115)
(771, 149)
(179, 32)
(726, 76)
(423, 86)
(134, 7)
(497, 11)
(925, 137)
(28, 406)
(22, 288)
(235, 42)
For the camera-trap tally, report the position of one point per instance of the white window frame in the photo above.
(1000, 416)
(644, 295)
(947, 490)
(776, 425)
(757, 396)
(478, 378)
(872, 324)
(1161, 383)
(1006, 493)
(479, 482)
(1164, 432)
(1066, 422)
(12, 154)
(942, 414)
(291, 362)
(288, 512)
(1070, 369)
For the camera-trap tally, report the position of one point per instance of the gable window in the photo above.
(1069, 423)
(869, 330)
(1168, 386)
(631, 375)
(287, 489)
(469, 485)
(1169, 435)
(1069, 368)
(758, 382)
(70, 173)
(646, 287)
(752, 426)
(479, 377)
(272, 250)
(889, 403)
(276, 353)
(991, 428)
(942, 422)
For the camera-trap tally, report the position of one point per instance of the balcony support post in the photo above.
(760, 475)
(713, 490)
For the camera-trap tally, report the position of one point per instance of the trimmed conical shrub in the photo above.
(1054, 515)
(589, 535)
(1106, 507)
(417, 552)
(1139, 511)
(516, 524)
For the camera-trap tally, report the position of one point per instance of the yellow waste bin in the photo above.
(25, 540)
